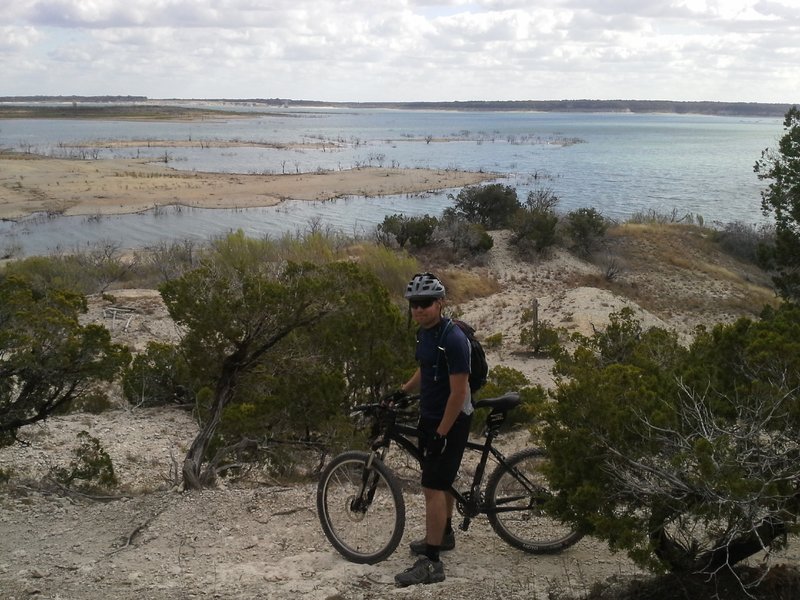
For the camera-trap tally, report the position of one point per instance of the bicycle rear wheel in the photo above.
(361, 510)
(516, 493)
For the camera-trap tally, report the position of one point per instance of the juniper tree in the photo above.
(781, 199)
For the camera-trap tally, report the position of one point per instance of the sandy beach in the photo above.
(31, 184)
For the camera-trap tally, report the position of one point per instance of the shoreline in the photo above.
(31, 184)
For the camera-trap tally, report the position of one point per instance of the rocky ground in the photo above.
(262, 539)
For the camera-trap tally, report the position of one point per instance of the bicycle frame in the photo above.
(469, 501)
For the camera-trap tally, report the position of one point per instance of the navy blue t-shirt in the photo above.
(437, 365)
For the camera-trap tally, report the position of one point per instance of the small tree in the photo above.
(535, 227)
(47, 359)
(464, 237)
(248, 320)
(586, 227)
(394, 226)
(686, 458)
(782, 200)
(157, 377)
(418, 231)
(493, 206)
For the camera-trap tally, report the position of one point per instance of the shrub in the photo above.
(539, 336)
(535, 232)
(502, 380)
(463, 236)
(418, 231)
(493, 341)
(687, 458)
(493, 206)
(744, 240)
(93, 401)
(157, 377)
(586, 227)
(91, 464)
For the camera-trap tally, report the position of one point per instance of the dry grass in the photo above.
(678, 270)
(463, 285)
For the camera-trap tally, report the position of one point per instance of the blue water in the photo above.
(619, 164)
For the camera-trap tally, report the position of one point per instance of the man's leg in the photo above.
(436, 514)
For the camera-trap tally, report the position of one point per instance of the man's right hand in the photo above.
(394, 398)
(435, 446)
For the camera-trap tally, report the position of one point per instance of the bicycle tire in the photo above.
(524, 524)
(361, 536)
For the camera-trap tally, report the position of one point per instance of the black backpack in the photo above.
(478, 368)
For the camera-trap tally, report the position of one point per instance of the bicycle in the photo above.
(360, 502)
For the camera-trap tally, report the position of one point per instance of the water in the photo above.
(617, 163)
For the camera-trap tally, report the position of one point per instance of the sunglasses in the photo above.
(424, 303)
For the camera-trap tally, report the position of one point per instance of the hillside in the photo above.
(262, 539)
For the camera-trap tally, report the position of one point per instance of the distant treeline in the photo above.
(754, 109)
(633, 106)
(73, 98)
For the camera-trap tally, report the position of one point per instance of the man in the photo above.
(442, 379)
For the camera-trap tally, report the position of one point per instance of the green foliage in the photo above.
(157, 377)
(417, 231)
(501, 380)
(586, 227)
(280, 346)
(535, 224)
(493, 341)
(91, 465)
(47, 359)
(421, 230)
(686, 458)
(493, 206)
(464, 236)
(539, 336)
(389, 266)
(46, 273)
(93, 401)
(87, 272)
(782, 200)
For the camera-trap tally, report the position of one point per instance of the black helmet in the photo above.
(424, 285)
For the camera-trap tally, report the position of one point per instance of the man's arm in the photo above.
(412, 385)
(459, 388)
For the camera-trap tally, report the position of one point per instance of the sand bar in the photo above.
(31, 184)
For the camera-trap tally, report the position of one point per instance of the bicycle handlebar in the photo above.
(388, 404)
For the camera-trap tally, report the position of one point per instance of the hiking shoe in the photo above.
(423, 571)
(448, 543)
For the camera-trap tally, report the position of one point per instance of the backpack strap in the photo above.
(445, 331)
(440, 345)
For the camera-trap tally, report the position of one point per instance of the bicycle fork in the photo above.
(369, 483)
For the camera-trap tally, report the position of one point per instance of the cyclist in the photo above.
(442, 379)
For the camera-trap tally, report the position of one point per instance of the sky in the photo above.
(404, 50)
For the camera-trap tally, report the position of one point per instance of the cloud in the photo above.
(404, 49)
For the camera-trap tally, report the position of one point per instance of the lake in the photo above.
(618, 163)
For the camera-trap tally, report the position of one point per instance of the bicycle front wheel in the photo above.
(361, 509)
(516, 493)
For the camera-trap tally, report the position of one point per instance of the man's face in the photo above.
(426, 312)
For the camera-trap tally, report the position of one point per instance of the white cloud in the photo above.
(405, 49)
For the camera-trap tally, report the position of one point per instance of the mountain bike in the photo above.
(360, 501)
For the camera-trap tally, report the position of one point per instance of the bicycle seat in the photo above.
(502, 403)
